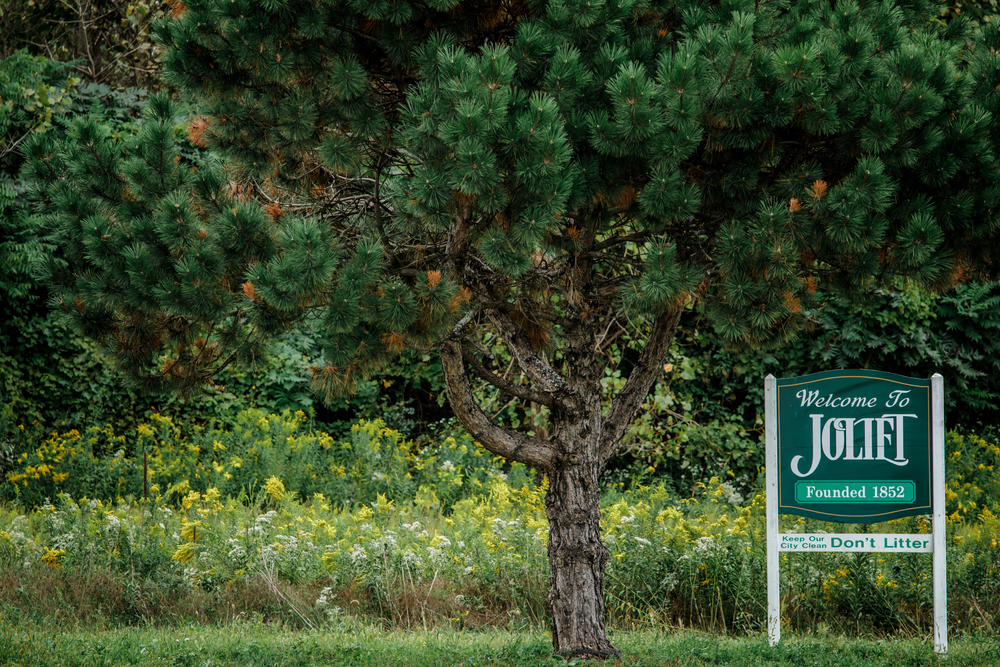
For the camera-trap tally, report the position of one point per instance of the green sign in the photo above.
(854, 446)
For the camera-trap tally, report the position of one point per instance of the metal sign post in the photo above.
(855, 447)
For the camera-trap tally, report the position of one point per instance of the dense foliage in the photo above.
(48, 373)
(275, 518)
(104, 41)
(551, 186)
(288, 136)
(701, 418)
(537, 176)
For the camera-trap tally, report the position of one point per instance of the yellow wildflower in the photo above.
(190, 499)
(382, 504)
(184, 552)
(274, 488)
(180, 487)
(189, 529)
(51, 557)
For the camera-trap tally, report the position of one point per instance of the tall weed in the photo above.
(273, 519)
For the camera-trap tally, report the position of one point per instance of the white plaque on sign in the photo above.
(884, 542)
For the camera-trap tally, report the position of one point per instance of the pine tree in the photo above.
(423, 174)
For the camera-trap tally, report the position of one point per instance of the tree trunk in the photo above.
(579, 444)
(576, 554)
(576, 561)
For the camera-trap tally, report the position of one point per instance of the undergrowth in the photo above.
(274, 521)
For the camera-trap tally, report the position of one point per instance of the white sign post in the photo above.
(839, 447)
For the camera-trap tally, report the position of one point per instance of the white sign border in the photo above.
(937, 537)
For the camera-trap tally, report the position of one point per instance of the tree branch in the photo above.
(536, 368)
(456, 331)
(614, 258)
(626, 404)
(511, 445)
(615, 240)
(504, 385)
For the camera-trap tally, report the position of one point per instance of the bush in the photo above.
(704, 417)
(168, 459)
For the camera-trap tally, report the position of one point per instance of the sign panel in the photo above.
(854, 446)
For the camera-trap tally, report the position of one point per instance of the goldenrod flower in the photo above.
(189, 529)
(190, 499)
(274, 488)
(382, 504)
(184, 552)
(51, 557)
(180, 487)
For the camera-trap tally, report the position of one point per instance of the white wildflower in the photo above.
(387, 543)
(358, 554)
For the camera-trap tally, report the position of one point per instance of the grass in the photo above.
(254, 643)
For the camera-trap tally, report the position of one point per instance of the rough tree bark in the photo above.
(576, 561)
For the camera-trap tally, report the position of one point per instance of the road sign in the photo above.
(855, 447)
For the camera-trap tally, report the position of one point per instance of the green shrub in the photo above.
(169, 458)
(971, 480)
(704, 417)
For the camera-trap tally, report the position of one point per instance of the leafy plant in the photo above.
(34, 91)
(913, 332)
(106, 41)
(381, 545)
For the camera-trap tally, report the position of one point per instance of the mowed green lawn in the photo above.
(254, 644)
